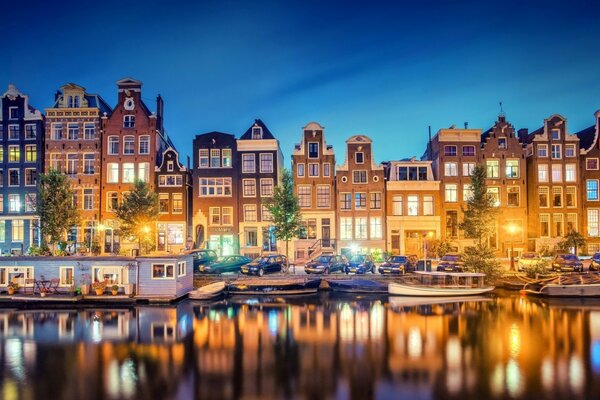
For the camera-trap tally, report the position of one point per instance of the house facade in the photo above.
(21, 159)
(313, 169)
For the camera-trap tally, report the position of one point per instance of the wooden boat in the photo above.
(578, 285)
(441, 284)
(207, 292)
(274, 286)
(358, 286)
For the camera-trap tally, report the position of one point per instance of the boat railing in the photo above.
(449, 280)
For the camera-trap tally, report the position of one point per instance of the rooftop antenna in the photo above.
(501, 110)
(429, 145)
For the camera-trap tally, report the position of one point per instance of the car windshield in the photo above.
(397, 259)
(261, 259)
(357, 259)
(569, 257)
(529, 255)
(324, 259)
(451, 257)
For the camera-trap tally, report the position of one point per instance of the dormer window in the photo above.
(13, 112)
(313, 150)
(129, 121)
(257, 133)
(502, 143)
(555, 134)
(360, 157)
(170, 166)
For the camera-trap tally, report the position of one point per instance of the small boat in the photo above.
(274, 286)
(358, 286)
(440, 284)
(584, 285)
(208, 292)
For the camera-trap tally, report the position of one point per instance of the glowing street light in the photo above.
(512, 229)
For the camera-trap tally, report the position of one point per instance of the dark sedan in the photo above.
(451, 262)
(595, 262)
(264, 265)
(398, 265)
(327, 264)
(567, 263)
(202, 257)
(361, 264)
(224, 264)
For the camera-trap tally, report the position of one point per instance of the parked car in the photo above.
(595, 262)
(567, 262)
(529, 259)
(224, 264)
(399, 265)
(202, 257)
(264, 265)
(327, 264)
(361, 264)
(451, 262)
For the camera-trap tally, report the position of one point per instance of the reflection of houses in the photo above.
(412, 206)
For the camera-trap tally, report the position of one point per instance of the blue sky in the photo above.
(387, 70)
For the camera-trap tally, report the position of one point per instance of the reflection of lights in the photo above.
(515, 341)
(576, 375)
(547, 374)
(14, 357)
(497, 380)
(96, 331)
(595, 356)
(377, 320)
(453, 353)
(415, 344)
(122, 379)
(273, 322)
(346, 323)
(514, 383)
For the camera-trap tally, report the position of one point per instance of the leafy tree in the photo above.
(137, 214)
(55, 207)
(572, 240)
(479, 217)
(285, 209)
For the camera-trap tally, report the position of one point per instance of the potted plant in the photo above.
(43, 292)
(98, 287)
(114, 290)
(12, 288)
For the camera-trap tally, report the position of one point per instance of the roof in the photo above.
(257, 123)
(587, 138)
(529, 138)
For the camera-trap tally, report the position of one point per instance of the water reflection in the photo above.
(313, 347)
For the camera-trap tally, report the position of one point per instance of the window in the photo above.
(113, 145)
(326, 170)
(544, 225)
(593, 225)
(266, 187)
(592, 189)
(214, 216)
(555, 134)
(249, 187)
(542, 150)
(346, 228)
(494, 193)
(14, 203)
(203, 158)
(129, 145)
(543, 197)
(66, 276)
(571, 196)
(543, 173)
(112, 170)
(313, 170)
(570, 173)
(556, 152)
(468, 168)
(1, 203)
(163, 203)
(591, 164)
(412, 173)
(304, 196)
(13, 112)
(250, 213)
(1, 179)
(144, 145)
(376, 231)
(112, 201)
(14, 178)
(144, 171)
(427, 205)
(300, 169)
(502, 143)
(571, 222)
(569, 150)
(129, 121)
(450, 193)
(72, 164)
(30, 176)
(557, 197)
(556, 173)
(493, 168)
(170, 180)
(397, 207)
(2, 239)
(360, 201)
(450, 151)
(227, 215)
(56, 131)
(512, 168)
(413, 205)
(266, 163)
(13, 132)
(257, 133)
(215, 158)
(226, 158)
(30, 202)
(266, 214)
(345, 201)
(14, 154)
(88, 199)
(72, 131)
(89, 164)
(30, 153)
(323, 196)
(468, 151)
(450, 169)
(89, 131)
(513, 196)
(313, 150)
(375, 201)
(467, 192)
(251, 237)
(162, 271)
(30, 131)
(128, 172)
(359, 177)
(452, 223)
(181, 268)
(18, 230)
(360, 230)
(311, 228)
(215, 187)
(360, 157)
(557, 221)
(248, 163)
(55, 162)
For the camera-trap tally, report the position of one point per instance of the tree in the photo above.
(55, 207)
(137, 214)
(479, 224)
(285, 209)
(572, 240)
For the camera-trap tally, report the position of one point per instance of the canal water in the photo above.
(321, 346)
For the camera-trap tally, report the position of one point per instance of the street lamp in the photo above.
(512, 230)
(427, 237)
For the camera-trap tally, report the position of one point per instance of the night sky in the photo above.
(384, 70)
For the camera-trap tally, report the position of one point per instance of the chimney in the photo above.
(523, 132)
(160, 105)
(466, 125)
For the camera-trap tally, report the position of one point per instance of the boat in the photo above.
(208, 292)
(441, 284)
(404, 301)
(358, 286)
(579, 285)
(274, 286)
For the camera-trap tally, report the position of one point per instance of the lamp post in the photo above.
(512, 230)
(427, 237)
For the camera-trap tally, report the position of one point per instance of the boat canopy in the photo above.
(453, 274)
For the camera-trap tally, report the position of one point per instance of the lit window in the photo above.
(112, 170)
(397, 205)
(323, 196)
(494, 193)
(128, 172)
(556, 173)
(304, 196)
(592, 189)
(376, 231)
(450, 169)
(570, 173)
(512, 169)
(450, 193)
(413, 205)
(226, 158)
(427, 205)
(542, 172)
(493, 168)
(360, 230)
